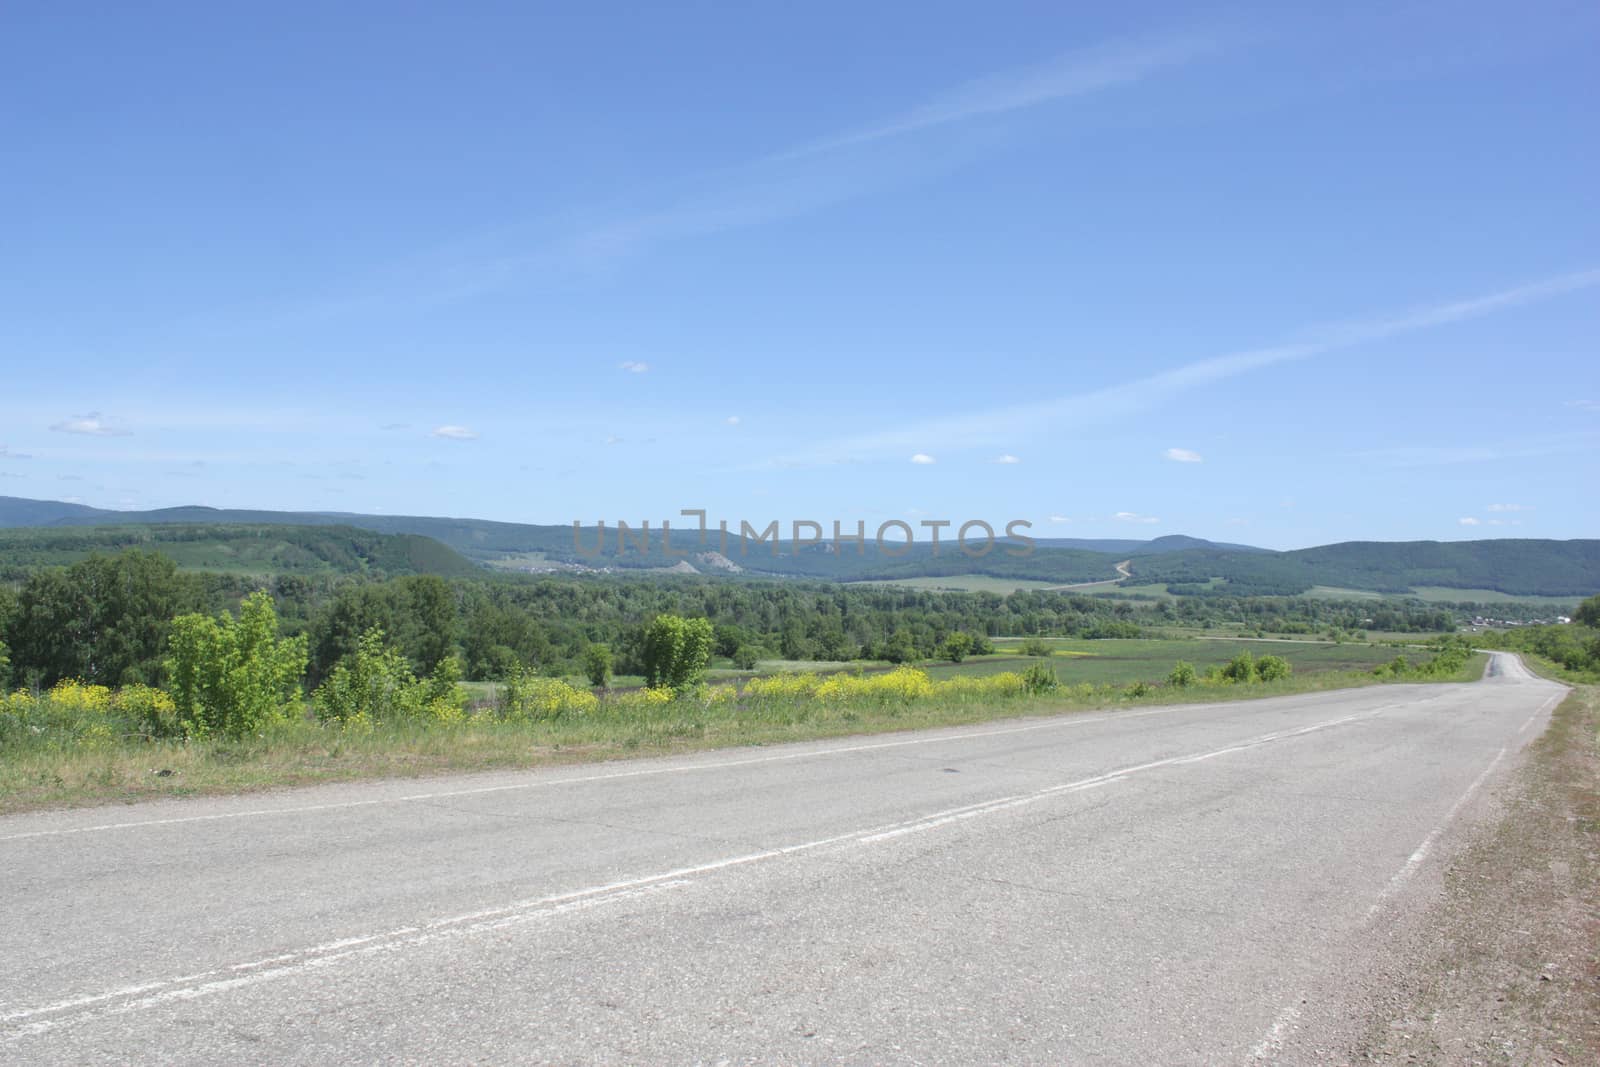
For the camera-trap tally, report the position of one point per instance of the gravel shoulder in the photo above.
(1504, 967)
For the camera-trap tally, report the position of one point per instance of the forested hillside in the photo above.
(235, 540)
(238, 549)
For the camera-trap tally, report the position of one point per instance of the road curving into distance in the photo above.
(1195, 884)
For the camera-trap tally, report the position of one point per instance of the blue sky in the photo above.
(1257, 275)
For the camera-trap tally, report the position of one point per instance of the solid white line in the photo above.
(1414, 861)
(1272, 1044)
(1542, 708)
(1055, 723)
(31, 1021)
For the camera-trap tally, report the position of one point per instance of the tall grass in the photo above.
(79, 744)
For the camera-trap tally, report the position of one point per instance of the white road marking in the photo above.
(1272, 1044)
(643, 772)
(42, 1019)
(1414, 861)
(1542, 708)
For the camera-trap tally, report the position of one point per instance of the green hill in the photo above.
(238, 549)
(348, 543)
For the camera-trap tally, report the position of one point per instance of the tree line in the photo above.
(108, 619)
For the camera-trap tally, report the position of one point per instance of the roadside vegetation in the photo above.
(123, 676)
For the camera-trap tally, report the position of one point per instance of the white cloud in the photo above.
(634, 366)
(1133, 516)
(613, 440)
(1468, 520)
(1182, 455)
(923, 459)
(93, 424)
(1509, 507)
(732, 420)
(1007, 459)
(6, 453)
(1059, 519)
(455, 433)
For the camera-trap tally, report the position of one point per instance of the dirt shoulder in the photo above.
(1508, 968)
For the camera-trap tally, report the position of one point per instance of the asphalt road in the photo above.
(1200, 884)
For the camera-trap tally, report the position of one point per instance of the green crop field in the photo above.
(1122, 662)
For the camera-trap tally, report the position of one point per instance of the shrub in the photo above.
(1040, 678)
(1034, 646)
(784, 686)
(597, 665)
(149, 711)
(234, 676)
(675, 651)
(1241, 669)
(1182, 675)
(1273, 668)
(526, 697)
(745, 658)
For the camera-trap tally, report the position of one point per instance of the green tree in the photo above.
(956, 646)
(104, 619)
(1588, 613)
(234, 676)
(745, 657)
(676, 651)
(597, 665)
(1035, 646)
(5, 667)
(1182, 675)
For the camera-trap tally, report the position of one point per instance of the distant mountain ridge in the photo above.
(1185, 565)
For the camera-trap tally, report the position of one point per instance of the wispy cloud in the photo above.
(1509, 507)
(6, 453)
(923, 459)
(797, 180)
(732, 420)
(1182, 455)
(1060, 520)
(1133, 516)
(1080, 73)
(454, 433)
(634, 366)
(1007, 460)
(93, 424)
(1117, 402)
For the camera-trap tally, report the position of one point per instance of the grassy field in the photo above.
(1122, 662)
(1333, 592)
(1439, 594)
(969, 583)
(1435, 594)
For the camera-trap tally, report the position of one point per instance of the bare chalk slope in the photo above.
(1198, 884)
